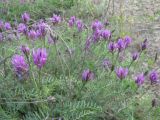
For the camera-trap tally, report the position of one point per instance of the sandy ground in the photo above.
(143, 17)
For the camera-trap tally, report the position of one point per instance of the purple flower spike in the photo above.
(96, 35)
(111, 47)
(25, 50)
(97, 25)
(40, 57)
(56, 19)
(25, 17)
(153, 76)
(135, 56)
(79, 25)
(7, 26)
(19, 64)
(71, 21)
(87, 75)
(41, 30)
(32, 34)
(106, 34)
(140, 79)
(121, 72)
(120, 45)
(88, 43)
(144, 45)
(127, 41)
(22, 28)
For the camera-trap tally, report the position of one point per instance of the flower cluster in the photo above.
(87, 75)
(97, 25)
(99, 31)
(22, 28)
(39, 57)
(25, 17)
(72, 21)
(32, 34)
(39, 30)
(19, 64)
(135, 56)
(112, 47)
(25, 50)
(7, 26)
(79, 25)
(121, 72)
(140, 79)
(153, 76)
(56, 19)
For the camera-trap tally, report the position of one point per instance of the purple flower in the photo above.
(111, 47)
(88, 43)
(153, 76)
(97, 25)
(87, 75)
(127, 41)
(42, 29)
(144, 45)
(121, 72)
(79, 25)
(140, 79)
(96, 35)
(56, 19)
(19, 64)
(7, 26)
(32, 34)
(1, 24)
(25, 17)
(120, 45)
(71, 21)
(135, 56)
(73, 18)
(25, 49)
(40, 57)
(106, 34)
(22, 28)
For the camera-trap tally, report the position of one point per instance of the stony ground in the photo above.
(143, 19)
(142, 16)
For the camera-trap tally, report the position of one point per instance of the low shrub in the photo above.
(61, 68)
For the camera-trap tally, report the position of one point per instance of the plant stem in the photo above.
(117, 58)
(40, 82)
(130, 64)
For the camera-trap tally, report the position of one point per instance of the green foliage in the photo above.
(62, 94)
(12, 10)
(78, 110)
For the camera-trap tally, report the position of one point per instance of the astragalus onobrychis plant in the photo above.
(61, 68)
